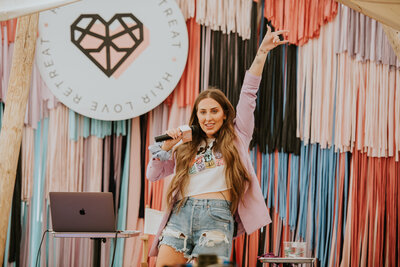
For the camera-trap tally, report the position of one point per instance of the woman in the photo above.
(214, 194)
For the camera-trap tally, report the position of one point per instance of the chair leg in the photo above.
(145, 251)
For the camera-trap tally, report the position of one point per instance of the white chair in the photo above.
(152, 220)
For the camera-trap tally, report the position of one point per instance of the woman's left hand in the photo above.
(271, 40)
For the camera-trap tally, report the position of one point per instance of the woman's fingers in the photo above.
(283, 42)
(278, 41)
(174, 133)
(281, 32)
(268, 29)
(275, 37)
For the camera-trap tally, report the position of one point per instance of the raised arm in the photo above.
(244, 123)
(270, 41)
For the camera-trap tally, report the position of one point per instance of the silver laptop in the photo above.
(82, 212)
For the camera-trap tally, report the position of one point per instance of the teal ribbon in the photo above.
(94, 127)
(7, 250)
(40, 154)
(123, 205)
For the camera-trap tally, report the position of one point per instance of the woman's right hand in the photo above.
(176, 135)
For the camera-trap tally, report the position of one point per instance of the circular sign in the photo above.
(112, 60)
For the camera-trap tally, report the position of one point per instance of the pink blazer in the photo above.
(252, 212)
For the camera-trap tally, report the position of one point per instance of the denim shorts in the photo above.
(202, 226)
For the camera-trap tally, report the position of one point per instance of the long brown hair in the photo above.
(236, 175)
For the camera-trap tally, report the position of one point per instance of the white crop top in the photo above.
(207, 172)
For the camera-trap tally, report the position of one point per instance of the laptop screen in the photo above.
(82, 211)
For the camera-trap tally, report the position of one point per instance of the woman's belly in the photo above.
(215, 195)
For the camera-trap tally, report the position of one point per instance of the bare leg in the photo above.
(169, 256)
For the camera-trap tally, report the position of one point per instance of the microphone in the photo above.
(185, 129)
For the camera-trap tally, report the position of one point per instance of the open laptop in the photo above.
(82, 211)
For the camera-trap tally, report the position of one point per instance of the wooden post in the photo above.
(14, 114)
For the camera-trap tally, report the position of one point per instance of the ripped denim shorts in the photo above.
(202, 226)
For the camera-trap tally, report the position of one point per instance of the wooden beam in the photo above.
(12, 9)
(394, 39)
(14, 114)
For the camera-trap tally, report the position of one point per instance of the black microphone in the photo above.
(194, 130)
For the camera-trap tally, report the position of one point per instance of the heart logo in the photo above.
(109, 44)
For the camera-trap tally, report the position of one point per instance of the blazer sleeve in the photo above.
(244, 121)
(158, 169)
(161, 163)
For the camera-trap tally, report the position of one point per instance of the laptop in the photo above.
(82, 211)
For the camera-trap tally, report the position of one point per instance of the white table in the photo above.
(120, 234)
(297, 260)
(97, 237)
